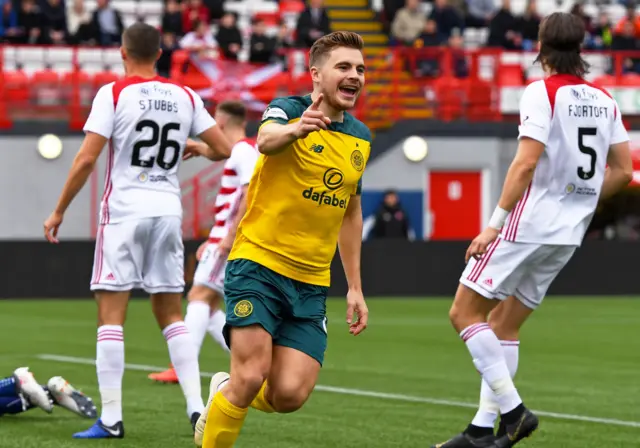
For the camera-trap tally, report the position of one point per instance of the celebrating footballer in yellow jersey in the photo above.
(303, 200)
(298, 197)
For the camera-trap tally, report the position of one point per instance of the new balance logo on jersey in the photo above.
(316, 148)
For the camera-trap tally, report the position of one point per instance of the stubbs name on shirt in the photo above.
(161, 105)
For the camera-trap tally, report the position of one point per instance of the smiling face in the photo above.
(337, 70)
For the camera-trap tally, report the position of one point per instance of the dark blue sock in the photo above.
(8, 387)
(11, 405)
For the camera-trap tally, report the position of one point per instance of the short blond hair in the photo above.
(326, 44)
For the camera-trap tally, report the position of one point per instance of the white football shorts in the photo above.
(523, 270)
(210, 270)
(143, 253)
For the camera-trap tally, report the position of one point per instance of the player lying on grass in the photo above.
(303, 201)
(206, 294)
(569, 131)
(21, 392)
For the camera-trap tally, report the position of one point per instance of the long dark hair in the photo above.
(561, 35)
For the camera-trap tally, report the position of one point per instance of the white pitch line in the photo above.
(364, 393)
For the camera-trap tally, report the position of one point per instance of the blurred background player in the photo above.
(148, 120)
(303, 201)
(207, 292)
(573, 152)
(21, 392)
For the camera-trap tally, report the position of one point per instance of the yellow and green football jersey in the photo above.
(297, 198)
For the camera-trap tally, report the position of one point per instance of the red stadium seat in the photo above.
(291, 6)
(16, 86)
(606, 81)
(510, 76)
(102, 78)
(46, 77)
(630, 79)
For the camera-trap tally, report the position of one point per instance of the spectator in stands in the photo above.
(480, 13)
(30, 23)
(229, 36)
(79, 24)
(502, 29)
(632, 18)
(261, 46)
(428, 64)
(107, 24)
(169, 45)
(578, 10)
(313, 23)
(284, 41)
(390, 221)
(447, 18)
(459, 64)
(200, 41)
(216, 8)
(390, 8)
(194, 11)
(172, 18)
(9, 29)
(528, 25)
(626, 41)
(408, 24)
(601, 36)
(54, 27)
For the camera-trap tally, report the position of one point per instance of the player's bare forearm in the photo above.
(520, 172)
(350, 243)
(274, 138)
(81, 169)
(215, 145)
(515, 184)
(80, 172)
(614, 181)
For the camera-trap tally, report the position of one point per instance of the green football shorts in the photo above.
(293, 312)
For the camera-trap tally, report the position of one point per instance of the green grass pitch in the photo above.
(579, 358)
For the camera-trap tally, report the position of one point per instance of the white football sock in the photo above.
(216, 324)
(196, 320)
(184, 357)
(488, 411)
(489, 359)
(110, 369)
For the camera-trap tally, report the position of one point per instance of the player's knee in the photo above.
(248, 379)
(288, 398)
(456, 315)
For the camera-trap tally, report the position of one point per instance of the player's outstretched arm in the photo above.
(275, 137)
(619, 172)
(350, 247)
(81, 169)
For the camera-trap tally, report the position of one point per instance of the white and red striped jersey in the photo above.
(577, 122)
(147, 122)
(238, 170)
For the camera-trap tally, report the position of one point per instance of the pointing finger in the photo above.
(317, 102)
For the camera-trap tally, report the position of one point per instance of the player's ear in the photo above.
(123, 53)
(159, 54)
(315, 74)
